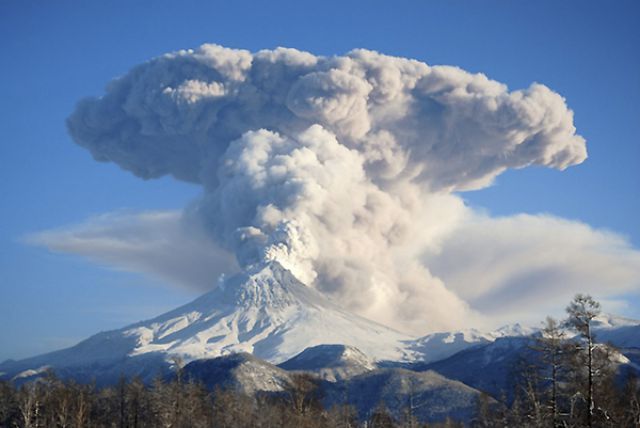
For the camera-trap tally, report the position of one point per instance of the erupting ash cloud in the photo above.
(341, 168)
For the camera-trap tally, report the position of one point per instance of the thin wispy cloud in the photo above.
(158, 244)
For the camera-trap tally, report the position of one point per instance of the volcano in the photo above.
(264, 311)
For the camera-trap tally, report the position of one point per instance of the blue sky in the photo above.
(55, 53)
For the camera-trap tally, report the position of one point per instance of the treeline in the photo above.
(52, 402)
(564, 381)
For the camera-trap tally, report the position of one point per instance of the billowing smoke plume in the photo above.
(341, 168)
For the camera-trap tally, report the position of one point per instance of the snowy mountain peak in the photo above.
(264, 311)
(265, 285)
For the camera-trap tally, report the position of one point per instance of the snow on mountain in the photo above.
(493, 366)
(621, 337)
(608, 321)
(264, 311)
(623, 333)
(438, 346)
(619, 331)
(331, 362)
(29, 374)
(430, 396)
(513, 330)
(489, 367)
(241, 372)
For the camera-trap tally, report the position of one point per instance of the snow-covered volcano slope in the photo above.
(264, 311)
(267, 312)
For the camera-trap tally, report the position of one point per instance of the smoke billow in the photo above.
(341, 168)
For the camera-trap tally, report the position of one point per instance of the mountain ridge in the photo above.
(267, 312)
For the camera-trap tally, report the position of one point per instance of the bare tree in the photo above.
(8, 404)
(582, 310)
(303, 393)
(484, 413)
(552, 346)
(380, 418)
(30, 405)
(232, 409)
(83, 396)
(630, 402)
(342, 416)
